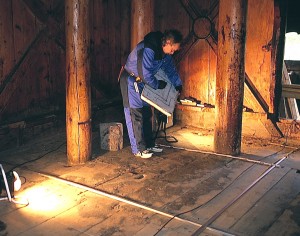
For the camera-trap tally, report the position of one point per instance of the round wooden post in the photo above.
(142, 20)
(230, 76)
(78, 92)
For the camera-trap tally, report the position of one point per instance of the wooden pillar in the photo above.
(142, 20)
(78, 92)
(230, 76)
(277, 56)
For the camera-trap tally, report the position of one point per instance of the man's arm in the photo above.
(169, 68)
(149, 68)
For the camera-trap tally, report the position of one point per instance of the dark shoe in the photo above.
(155, 149)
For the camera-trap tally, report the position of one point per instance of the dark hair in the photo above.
(174, 35)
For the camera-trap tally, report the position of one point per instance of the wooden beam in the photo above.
(289, 94)
(39, 10)
(78, 94)
(269, 123)
(256, 94)
(291, 91)
(230, 77)
(186, 4)
(142, 20)
(52, 22)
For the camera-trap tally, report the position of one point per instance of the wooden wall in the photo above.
(33, 58)
(199, 69)
(32, 52)
(258, 50)
(110, 44)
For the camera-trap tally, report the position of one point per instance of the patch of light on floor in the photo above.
(40, 199)
(292, 46)
(198, 139)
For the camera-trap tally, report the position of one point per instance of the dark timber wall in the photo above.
(32, 52)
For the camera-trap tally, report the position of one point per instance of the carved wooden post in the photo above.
(142, 20)
(230, 76)
(78, 93)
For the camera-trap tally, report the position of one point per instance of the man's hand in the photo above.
(179, 88)
(161, 84)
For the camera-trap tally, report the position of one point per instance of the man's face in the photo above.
(170, 48)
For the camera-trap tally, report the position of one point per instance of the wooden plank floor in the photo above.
(179, 189)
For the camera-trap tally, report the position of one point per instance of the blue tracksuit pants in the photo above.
(138, 114)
